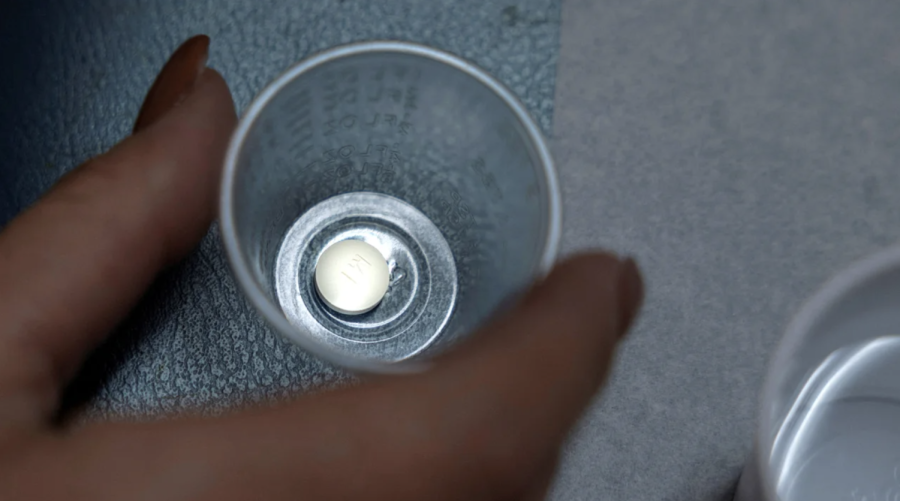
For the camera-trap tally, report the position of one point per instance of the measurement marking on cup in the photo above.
(400, 125)
(487, 179)
(412, 93)
(345, 123)
(341, 88)
(378, 161)
(377, 91)
(298, 123)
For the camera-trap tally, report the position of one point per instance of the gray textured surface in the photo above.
(744, 152)
(78, 71)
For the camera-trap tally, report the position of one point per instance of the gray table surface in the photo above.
(743, 151)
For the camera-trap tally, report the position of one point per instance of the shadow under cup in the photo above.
(412, 150)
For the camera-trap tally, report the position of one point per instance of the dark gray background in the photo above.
(743, 151)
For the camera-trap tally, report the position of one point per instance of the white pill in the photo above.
(352, 277)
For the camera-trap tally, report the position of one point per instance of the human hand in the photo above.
(486, 422)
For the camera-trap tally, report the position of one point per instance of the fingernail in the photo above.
(631, 293)
(175, 82)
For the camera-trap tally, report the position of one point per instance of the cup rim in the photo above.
(828, 295)
(236, 258)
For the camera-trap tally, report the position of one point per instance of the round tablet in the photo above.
(352, 277)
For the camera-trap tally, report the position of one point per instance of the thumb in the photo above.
(535, 370)
(506, 400)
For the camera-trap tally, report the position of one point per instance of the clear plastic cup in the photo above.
(829, 427)
(412, 150)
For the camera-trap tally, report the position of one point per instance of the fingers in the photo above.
(175, 81)
(485, 424)
(76, 262)
(526, 379)
(540, 486)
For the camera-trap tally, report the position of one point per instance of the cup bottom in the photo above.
(423, 284)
